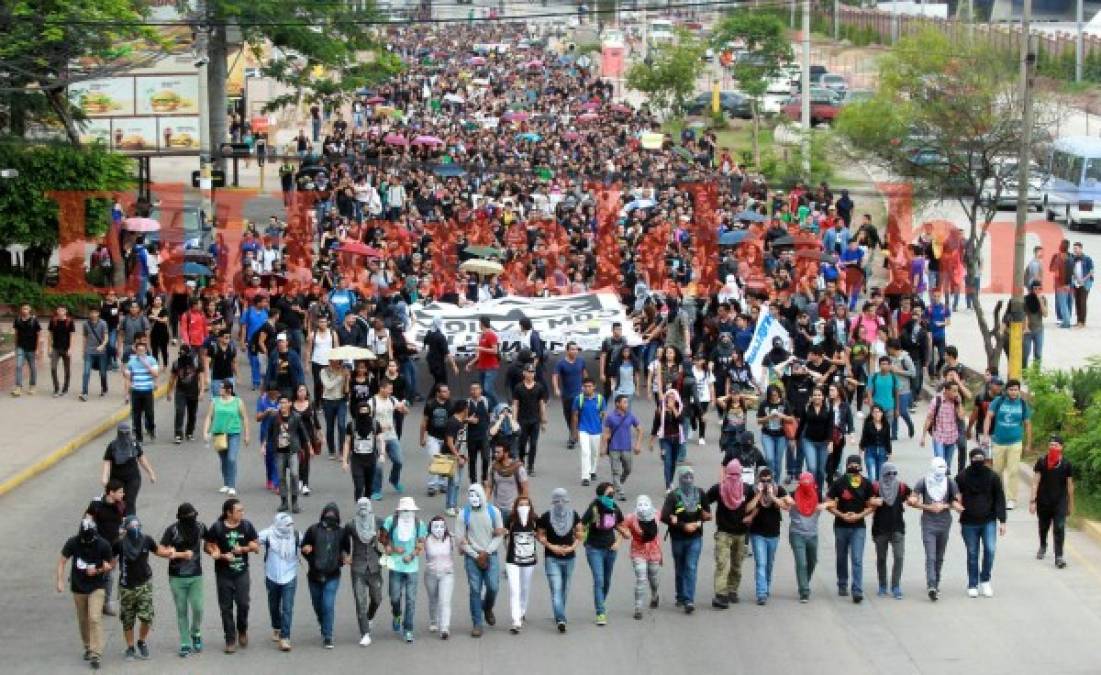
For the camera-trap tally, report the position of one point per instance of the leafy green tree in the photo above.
(946, 116)
(767, 48)
(668, 74)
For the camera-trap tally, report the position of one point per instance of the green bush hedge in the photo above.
(1068, 402)
(16, 291)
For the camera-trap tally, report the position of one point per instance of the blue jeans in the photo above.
(281, 605)
(99, 362)
(774, 448)
(601, 562)
(451, 489)
(315, 127)
(336, 421)
(393, 453)
(323, 595)
(477, 578)
(849, 543)
(23, 356)
(686, 557)
(764, 553)
(671, 454)
(794, 455)
(1034, 346)
(816, 453)
(112, 348)
(404, 584)
(254, 367)
(409, 374)
(903, 411)
(974, 535)
(945, 452)
(875, 457)
(228, 460)
(558, 571)
(1063, 307)
(216, 386)
(488, 380)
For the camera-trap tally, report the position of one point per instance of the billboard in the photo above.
(167, 95)
(106, 97)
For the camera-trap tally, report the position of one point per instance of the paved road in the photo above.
(1035, 603)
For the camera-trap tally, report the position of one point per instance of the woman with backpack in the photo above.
(875, 441)
(362, 540)
(935, 494)
(520, 559)
(439, 575)
(684, 513)
(646, 557)
(281, 544)
(324, 547)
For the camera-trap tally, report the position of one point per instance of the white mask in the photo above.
(523, 510)
(475, 499)
(438, 529)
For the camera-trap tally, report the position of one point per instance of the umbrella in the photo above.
(395, 139)
(785, 240)
(359, 248)
(141, 225)
(640, 204)
(529, 136)
(684, 153)
(591, 105)
(652, 140)
(477, 60)
(571, 136)
(193, 269)
(515, 116)
(448, 170)
(427, 140)
(454, 98)
(484, 251)
(479, 266)
(733, 238)
(351, 353)
(375, 100)
(820, 256)
(751, 217)
(588, 117)
(620, 108)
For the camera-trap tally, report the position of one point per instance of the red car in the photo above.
(824, 106)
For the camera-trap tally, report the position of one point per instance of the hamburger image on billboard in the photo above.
(135, 134)
(179, 133)
(171, 95)
(104, 97)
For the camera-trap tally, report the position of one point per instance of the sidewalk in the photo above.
(44, 430)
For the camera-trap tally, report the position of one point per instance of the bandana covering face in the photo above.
(732, 489)
(936, 481)
(124, 448)
(888, 484)
(1054, 454)
(364, 520)
(644, 510)
(806, 494)
(560, 516)
(281, 539)
(687, 491)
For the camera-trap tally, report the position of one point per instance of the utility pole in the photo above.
(970, 21)
(792, 6)
(836, 19)
(805, 98)
(1024, 158)
(202, 61)
(1078, 42)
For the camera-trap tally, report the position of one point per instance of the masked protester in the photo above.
(403, 537)
(763, 514)
(935, 494)
(324, 548)
(803, 531)
(684, 512)
(361, 539)
(889, 528)
(604, 522)
(727, 501)
(982, 520)
(560, 532)
(646, 557)
(520, 559)
(361, 453)
(123, 461)
(91, 558)
(184, 539)
(439, 575)
(479, 532)
(135, 585)
(1052, 497)
(281, 544)
(851, 501)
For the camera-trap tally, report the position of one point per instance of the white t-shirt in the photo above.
(384, 414)
(704, 379)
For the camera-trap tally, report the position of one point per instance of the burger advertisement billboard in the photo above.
(105, 97)
(178, 133)
(136, 134)
(168, 95)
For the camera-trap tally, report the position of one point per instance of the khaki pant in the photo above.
(729, 552)
(1006, 460)
(89, 615)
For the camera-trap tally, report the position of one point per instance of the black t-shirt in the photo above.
(26, 333)
(850, 499)
(108, 518)
(84, 556)
(1052, 495)
(110, 312)
(454, 428)
(226, 538)
(124, 472)
(477, 431)
(772, 427)
(673, 506)
(134, 573)
(176, 539)
(544, 523)
(437, 415)
(726, 520)
(265, 335)
(601, 524)
(766, 521)
(221, 361)
(521, 544)
(287, 315)
(187, 377)
(888, 519)
(528, 402)
(61, 333)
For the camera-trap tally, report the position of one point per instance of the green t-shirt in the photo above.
(409, 545)
(1008, 425)
(882, 388)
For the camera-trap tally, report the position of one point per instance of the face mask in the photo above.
(134, 532)
(329, 519)
(608, 502)
(978, 461)
(523, 510)
(853, 469)
(438, 529)
(475, 500)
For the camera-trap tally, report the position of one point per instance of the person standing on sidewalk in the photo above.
(229, 541)
(587, 421)
(1060, 279)
(140, 374)
(325, 548)
(566, 380)
(61, 329)
(851, 502)
(96, 336)
(184, 543)
(480, 530)
(529, 402)
(27, 328)
(123, 461)
(982, 520)
(92, 560)
(1008, 430)
(135, 585)
(281, 544)
(362, 542)
(487, 360)
(186, 380)
(1035, 313)
(1081, 281)
(1052, 497)
(684, 513)
(726, 500)
(889, 528)
(622, 437)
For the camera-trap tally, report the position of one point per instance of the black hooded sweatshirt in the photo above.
(328, 545)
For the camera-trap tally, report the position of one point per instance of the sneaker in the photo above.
(531, 473)
(654, 601)
(230, 648)
(399, 488)
(1060, 561)
(184, 651)
(689, 608)
(732, 598)
(678, 604)
(295, 508)
(232, 492)
(376, 497)
(283, 507)
(143, 650)
(431, 492)
(30, 391)
(570, 445)
(882, 592)
(896, 593)
(761, 600)
(178, 439)
(857, 599)
(84, 397)
(1010, 504)
(602, 619)
(130, 654)
(702, 441)
(490, 619)
(275, 636)
(94, 662)
(408, 637)
(365, 641)
(515, 629)
(561, 626)
(242, 639)
(16, 393)
(284, 645)
(933, 594)
(444, 635)
(720, 603)
(432, 628)
(1041, 553)
(592, 476)
(328, 643)
(986, 589)
(197, 644)
(621, 497)
(476, 632)
(972, 592)
(56, 394)
(304, 490)
(638, 615)
(451, 513)
(224, 489)
(842, 592)
(395, 624)
(584, 482)
(190, 437)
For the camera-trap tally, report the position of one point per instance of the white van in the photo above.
(660, 31)
(1073, 189)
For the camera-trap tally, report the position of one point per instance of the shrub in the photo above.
(17, 291)
(1053, 407)
(1084, 449)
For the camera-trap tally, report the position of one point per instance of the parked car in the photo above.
(857, 96)
(1007, 198)
(732, 103)
(824, 106)
(834, 82)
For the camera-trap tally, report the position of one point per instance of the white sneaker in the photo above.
(972, 592)
(303, 489)
(702, 441)
(224, 489)
(432, 628)
(987, 589)
(231, 492)
(1010, 504)
(365, 640)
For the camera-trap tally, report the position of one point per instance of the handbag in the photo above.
(220, 442)
(442, 465)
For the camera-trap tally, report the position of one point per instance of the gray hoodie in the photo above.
(481, 532)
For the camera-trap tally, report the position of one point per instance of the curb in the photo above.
(82, 439)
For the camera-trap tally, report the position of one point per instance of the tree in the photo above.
(946, 116)
(767, 48)
(668, 74)
(50, 44)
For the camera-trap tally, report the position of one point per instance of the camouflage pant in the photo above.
(136, 604)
